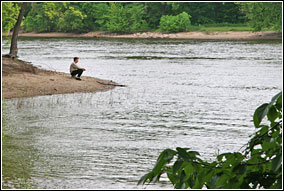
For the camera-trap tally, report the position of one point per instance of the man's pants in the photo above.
(79, 72)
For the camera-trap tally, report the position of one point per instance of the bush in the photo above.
(178, 23)
(258, 166)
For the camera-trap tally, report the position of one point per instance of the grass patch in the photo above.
(228, 28)
(222, 27)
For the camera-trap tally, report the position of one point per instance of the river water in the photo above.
(180, 93)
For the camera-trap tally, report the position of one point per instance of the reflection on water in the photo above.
(180, 93)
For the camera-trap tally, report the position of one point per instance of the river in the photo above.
(180, 93)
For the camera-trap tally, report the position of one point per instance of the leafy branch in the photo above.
(253, 168)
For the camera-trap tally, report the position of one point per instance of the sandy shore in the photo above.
(21, 79)
(230, 35)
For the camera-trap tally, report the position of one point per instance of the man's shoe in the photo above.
(78, 79)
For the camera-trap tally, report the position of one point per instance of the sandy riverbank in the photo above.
(21, 79)
(195, 35)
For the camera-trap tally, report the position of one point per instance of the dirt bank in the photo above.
(21, 79)
(229, 35)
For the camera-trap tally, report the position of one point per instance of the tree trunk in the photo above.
(217, 7)
(164, 8)
(13, 49)
(146, 8)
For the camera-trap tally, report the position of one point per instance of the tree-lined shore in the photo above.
(133, 17)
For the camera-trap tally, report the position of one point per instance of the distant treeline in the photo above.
(127, 17)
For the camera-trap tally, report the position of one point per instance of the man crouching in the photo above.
(76, 70)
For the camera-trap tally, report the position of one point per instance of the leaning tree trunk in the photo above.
(13, 49)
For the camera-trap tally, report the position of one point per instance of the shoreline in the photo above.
(194, 35)
(22, 79)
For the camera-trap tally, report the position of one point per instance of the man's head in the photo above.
(76, 59)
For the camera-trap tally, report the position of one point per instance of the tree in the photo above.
(264, 15)
(258, 166)
(136, 15)
(155, 11)
(10, 12)
(116, 20)
(95, 15)
(124, 18)
(44, 17)
(72, 20)
(14, 49)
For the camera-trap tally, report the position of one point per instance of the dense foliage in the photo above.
(10, 13)
(177, 23)
(124, 17)
(264, 15)
(258, 166)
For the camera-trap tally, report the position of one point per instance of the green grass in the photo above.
(222, 27)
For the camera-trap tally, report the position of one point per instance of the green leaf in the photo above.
(276, 97)
(272, 114)
(268, 145)
(188, 169)
(259, 114)
(172, 177)
(197, 185)
(262, 110)
(279, 103)
(190, 181)
(264, 129)
(180, 184)
(177, 165)
(277, 163)
(277, 185)
(213, 182)
(165, 157)
(240, 169)
(145, 177)
(156, 178)
(192, 154)
(182, 153)
(275, 134)
(222, 180)
(235, 156)
(220, 157)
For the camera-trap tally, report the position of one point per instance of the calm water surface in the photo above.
(181, 93)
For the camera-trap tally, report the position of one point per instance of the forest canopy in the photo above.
(128, 17)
